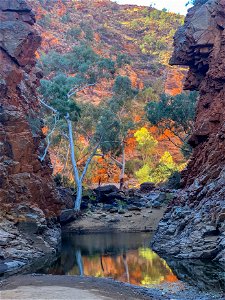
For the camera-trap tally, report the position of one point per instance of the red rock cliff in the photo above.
(27, 191)
(23, 177)
(194, 226)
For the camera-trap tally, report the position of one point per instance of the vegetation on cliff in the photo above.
(120, 54)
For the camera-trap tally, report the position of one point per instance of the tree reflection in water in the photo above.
(127, 257)
(124, 257)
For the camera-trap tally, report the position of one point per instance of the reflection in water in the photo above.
(124, 257)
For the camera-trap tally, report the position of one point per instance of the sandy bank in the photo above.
(146, 219)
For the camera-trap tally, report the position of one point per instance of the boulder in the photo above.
(107, 193)
(156, 204)
(133, 208)
(107, 207)
(147, 187)
(68, 216)
(67, 197)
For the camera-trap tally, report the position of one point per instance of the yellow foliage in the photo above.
(145, 139)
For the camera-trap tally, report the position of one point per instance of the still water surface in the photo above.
(127, 257)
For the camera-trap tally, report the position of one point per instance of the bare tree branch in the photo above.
(77, 89)
(48, 106)
(89, 161)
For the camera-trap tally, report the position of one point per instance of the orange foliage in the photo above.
(129, 267)
(45, 130)
(105, 171)
(174, 81)
(49, 40)
(37, 55)
(54, 38)
(61, 9)
(171, 278)
(97, 37)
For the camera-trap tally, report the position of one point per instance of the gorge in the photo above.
(32, 206)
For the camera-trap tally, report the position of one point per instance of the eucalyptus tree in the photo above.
(175, 113)
(67, 75)
(115, 122)
(67, 115)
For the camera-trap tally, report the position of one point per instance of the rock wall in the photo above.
(194, 224)
(29, 203)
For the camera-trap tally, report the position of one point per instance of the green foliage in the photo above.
(35, 124)
(82, 61)
(153, 169)
(56, 91)
(122, 87)
(159, 173)
(74, 33)
(53, 62)
(132, 165)
(163, 25)
(108, 128)
(45, 21)
(174, 113)
(116, 120)
(89, 34)
(87, 28)
(106, 65)
(174, 181)
(58, 179)
(122, 59)
(61, 180)
(66, 18)
(180, 109)
(143, 174)
(148, 94)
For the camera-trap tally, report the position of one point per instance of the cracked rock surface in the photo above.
(194, 224)
(28, 198)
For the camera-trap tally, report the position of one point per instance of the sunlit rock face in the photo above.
(194, 224)
(27, 191)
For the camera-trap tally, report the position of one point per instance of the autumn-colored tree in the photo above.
(160, 172)
(175, 113)
(146, 144)
(117, 118)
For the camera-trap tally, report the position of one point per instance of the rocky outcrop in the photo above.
(28, 199)
(194, 224)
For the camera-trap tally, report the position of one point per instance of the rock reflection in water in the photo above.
(124, 257)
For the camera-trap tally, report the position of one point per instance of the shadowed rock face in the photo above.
(204, 275)
(27, 191)
(194, 225)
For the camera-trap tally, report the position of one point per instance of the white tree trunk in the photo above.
(77, 178)
(122, 174)
(79, 196)
(80, 262)
(74, 164)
